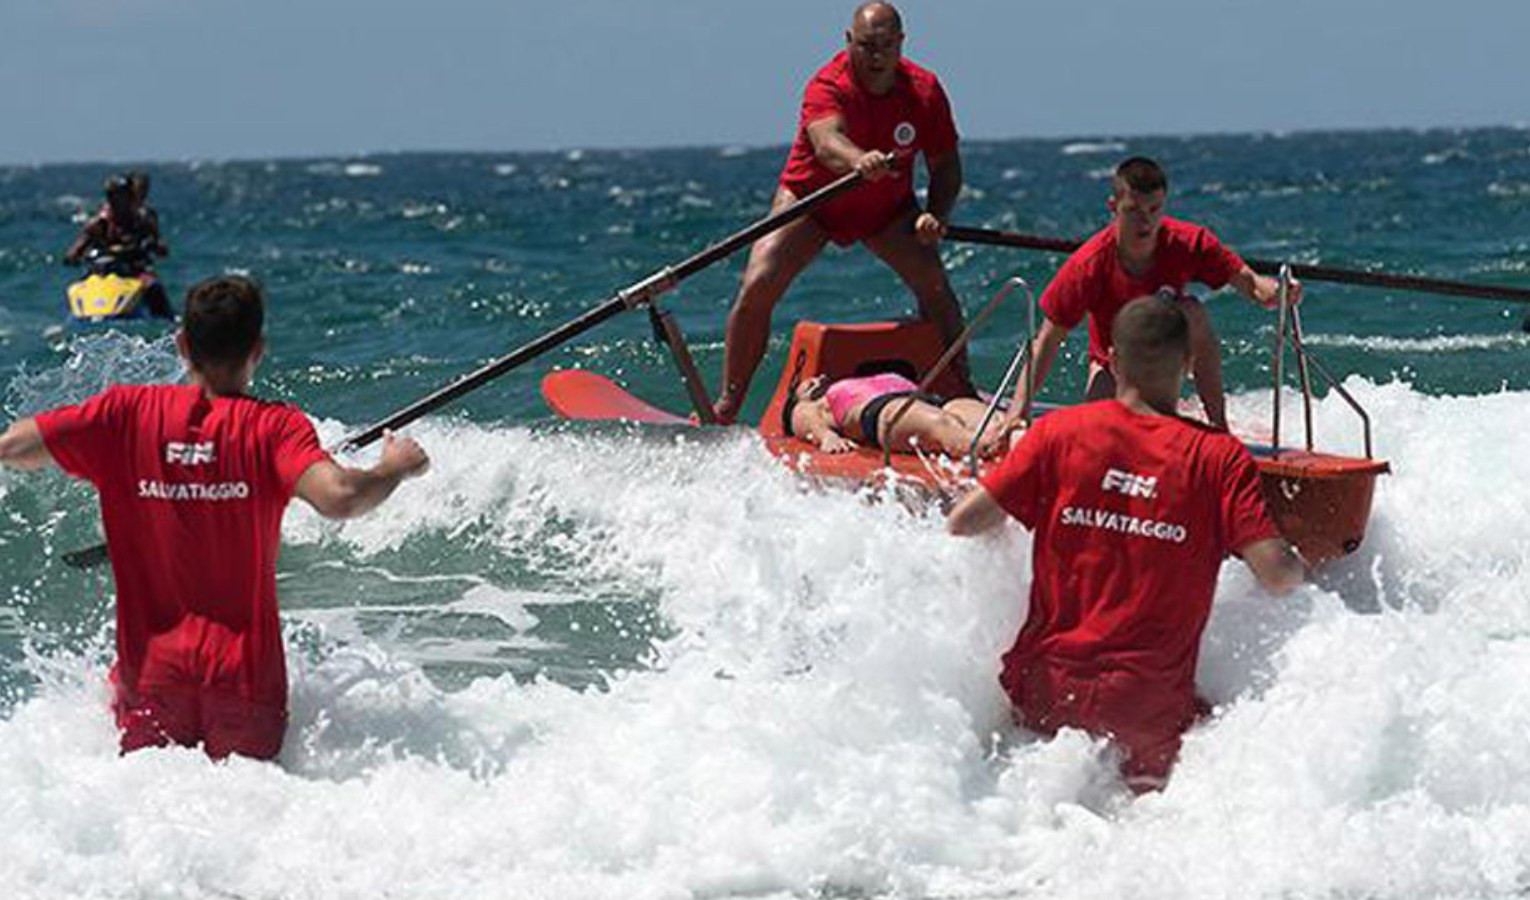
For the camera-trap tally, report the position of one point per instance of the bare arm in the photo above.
(945, 184)
(839, 154)
(1043, 353)
(1275, 565)
(341, 492)
(156, 240)
(975, 514)
(22, 447)
(819, 429)
(76, 250)
(1262, 289)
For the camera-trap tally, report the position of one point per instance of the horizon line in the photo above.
(745, 147)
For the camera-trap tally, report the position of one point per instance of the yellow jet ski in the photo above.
(113, 290)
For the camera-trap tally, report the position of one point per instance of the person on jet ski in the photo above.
(123, 238)
(138, 180)
(124, 227)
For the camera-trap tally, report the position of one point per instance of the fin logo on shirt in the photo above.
(1131, 485)
(178, 453)
(905, 133)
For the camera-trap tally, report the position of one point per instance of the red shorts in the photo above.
(849, 220)
(1144, 721)
(222, 722)
(194, 687)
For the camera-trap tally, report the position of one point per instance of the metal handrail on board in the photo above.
(945, 360)
(1290, 322)
(1022, 356)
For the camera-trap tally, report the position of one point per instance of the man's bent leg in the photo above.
(1205, 362)
(922, 271)
(774, 261)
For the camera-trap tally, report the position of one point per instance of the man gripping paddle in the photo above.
(868, 110)
(1141, 252)
(193, 481)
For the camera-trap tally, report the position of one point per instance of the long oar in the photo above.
(1267, 267)
(630, 297)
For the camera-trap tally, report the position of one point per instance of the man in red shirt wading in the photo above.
(1141, 252)
(1133, 509)
(193, 481)
(869, 110)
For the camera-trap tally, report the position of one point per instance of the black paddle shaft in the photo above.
(1416, 283)
(629, 298)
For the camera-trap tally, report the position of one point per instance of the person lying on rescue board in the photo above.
(867, 410)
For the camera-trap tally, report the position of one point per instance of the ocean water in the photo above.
(599, 661)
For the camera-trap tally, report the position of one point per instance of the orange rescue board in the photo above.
(1321, 502)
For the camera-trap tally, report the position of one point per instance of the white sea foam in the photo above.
(1083, 148)
(1445, 343)
(824, 722)
(94, 361)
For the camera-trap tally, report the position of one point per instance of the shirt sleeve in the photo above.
(1245, 518)
(80, 437)
(1016, 484)
(1066, 299)
(939, 127)
(1215, 263)
(297, 449)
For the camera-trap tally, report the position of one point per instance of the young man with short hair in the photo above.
(1141, 252)
(193, 480)
(1133, 509)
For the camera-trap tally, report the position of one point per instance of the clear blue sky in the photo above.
(196, 79)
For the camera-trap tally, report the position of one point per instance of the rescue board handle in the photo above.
(1290, 322)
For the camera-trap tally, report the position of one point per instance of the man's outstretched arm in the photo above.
(837, 153)
(1043, 353)
(1275, 565)
(22, 447)
(975, 514)
(1262, 289)
(341, 492)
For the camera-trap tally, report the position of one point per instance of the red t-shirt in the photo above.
(1132, 516)
(192, 494)
(913, 116)
(1093, 282)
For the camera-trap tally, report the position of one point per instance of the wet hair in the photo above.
(1140, 175)
(223, 321)
(1152, 339)
(787, 408)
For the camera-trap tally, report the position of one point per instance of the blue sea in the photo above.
(591, 661)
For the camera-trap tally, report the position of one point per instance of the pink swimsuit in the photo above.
(848, 393)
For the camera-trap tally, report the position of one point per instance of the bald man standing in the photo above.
(871, 111)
